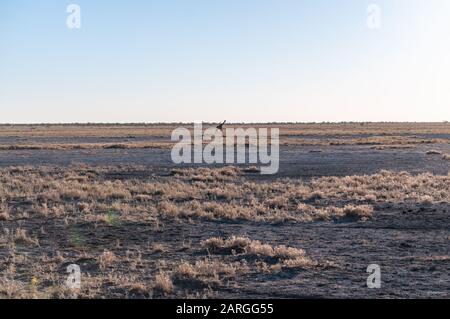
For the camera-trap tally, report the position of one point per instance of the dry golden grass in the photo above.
(86, 146)
(4, 212)
(227, 261)
(125, 277)
(379, 142)
(288, 257)
(224, 193)
(381, 135)
(106, 259)
(20, 236)
(158, 248)
(11, 289)
(207, 272)
(163, 283)
(205, 174)
(391, 147)
(239, 244)
(86, 130)
(85, 195)
(286, 129)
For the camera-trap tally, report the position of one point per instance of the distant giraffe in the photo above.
(220, 126)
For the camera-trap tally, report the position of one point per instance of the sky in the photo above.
(211, 60)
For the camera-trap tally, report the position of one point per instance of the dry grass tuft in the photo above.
(4, 213)
(106, 259)
(169, 209)
(289, 257)
(362, 212)
(232, 245)
(392, 147)
(163, 283)
(252, 170)
(13, 289)
(85, 146)
(205, 174)
(206, 272)
(159, 248)
(21, 236)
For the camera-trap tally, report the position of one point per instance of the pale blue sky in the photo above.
(241, 60)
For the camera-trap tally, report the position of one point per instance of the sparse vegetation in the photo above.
(203, 232)
(245, 246)
(221, 194)
(163, 283)
(206, 272)
(106, 259)
(4, 212)
(144, 136)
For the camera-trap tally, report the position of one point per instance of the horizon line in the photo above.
(228, 123)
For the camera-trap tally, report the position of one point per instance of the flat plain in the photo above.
(109, 199)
